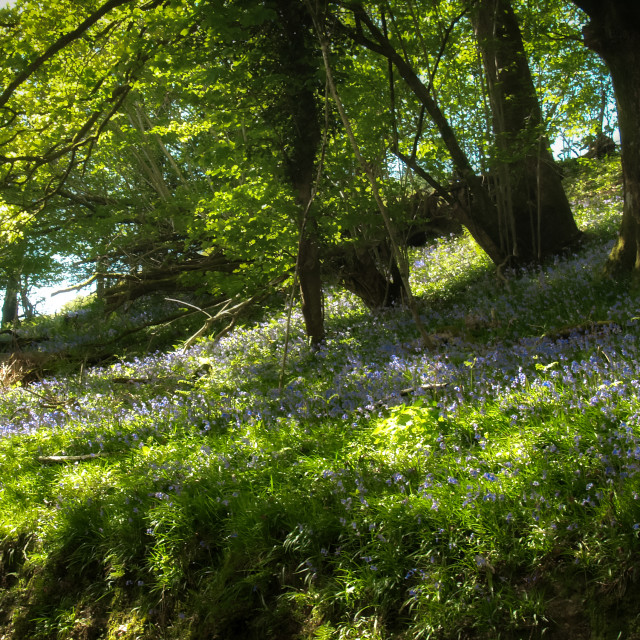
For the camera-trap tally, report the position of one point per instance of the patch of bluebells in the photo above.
(349, 376)
(367, 360)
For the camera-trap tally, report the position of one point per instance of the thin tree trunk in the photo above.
(400, 258)
(310, 277)
(304, 135)
(101, 280)
(27, 307)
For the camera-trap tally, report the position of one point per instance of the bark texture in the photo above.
(10, 305)
(359, 273)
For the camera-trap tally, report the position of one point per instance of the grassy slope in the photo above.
(500, 498)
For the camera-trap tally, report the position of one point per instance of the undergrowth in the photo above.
(484, 489)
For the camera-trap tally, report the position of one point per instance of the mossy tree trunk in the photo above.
(614, 33)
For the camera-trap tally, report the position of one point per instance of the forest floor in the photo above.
(485, 488)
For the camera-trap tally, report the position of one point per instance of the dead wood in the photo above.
(590, 327)
(23, 367)
(66, 459)
(233, 313)
(163, 279)
(125, 380)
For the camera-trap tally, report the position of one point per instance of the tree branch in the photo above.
(76, 287)
(57, 46)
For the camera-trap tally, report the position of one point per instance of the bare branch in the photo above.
(76, 287)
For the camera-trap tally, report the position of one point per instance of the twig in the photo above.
(51, 402)
(233, 312)
(193, 306)
(207, 325)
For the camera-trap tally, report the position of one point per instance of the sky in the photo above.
(48, 304)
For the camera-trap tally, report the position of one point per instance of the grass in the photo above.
(498, 499)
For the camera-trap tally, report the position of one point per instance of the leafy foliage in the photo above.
(161, 132)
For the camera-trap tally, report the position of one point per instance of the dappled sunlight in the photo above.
(457, 481)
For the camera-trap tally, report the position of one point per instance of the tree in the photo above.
(194, 149)
(53, 112)
(58, 135)
(530, 218)
(296, 115)
(614, 33)
(535, 215)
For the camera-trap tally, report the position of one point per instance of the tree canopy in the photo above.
(229, 148)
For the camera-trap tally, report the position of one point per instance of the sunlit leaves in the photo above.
(196, 155)
(573, 84)
(12, 223)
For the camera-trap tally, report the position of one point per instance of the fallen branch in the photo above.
(584, 328)
(233, 312)
(207, 325)
(423, 387)
(81, 458)
(126, 380)
(152, 323)
(383, 403)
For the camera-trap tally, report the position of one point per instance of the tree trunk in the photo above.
(10, 305)
(302, 134)
(360, 274)
(535, 218)
(27, 307)
(544, 224)
(310, 278)
(614, 33)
